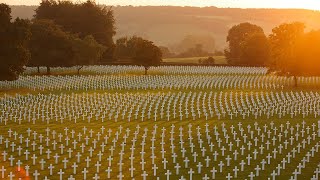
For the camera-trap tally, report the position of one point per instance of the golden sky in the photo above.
(304, 4)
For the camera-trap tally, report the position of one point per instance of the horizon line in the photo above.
(266, 8)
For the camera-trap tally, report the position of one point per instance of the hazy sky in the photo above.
(306, 4)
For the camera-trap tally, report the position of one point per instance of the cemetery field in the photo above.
(178, 122)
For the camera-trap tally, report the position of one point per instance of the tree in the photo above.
(254, 50)
(125, 48)
(146, 54)
(236, 36)
(283, 42)
(14, 54)
(87, 51)
(50, 46)
(138, 50)
(84, 19)
(305, 61)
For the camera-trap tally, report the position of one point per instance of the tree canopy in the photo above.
(84, 19)
(294, 52)
(140, 51)
(237, 36)
(14, 36)
(254, 50)
(307, 50)
(283, 40)
(87, 51)
(52, 47)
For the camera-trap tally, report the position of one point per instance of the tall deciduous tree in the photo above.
(125, 48)
(307, 50)
(236, 36)
(139, 51)
(147, 54)
(50, 46)
(255, 50)
(13, 42)
(84, 19)
(283, 41)
(87, 51)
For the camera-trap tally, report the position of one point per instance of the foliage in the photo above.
(50, 46)
(307, 50)
(139, 51)
(168, 25)
(255, 50)
(84, 19)
(146, 54)
(125, 47)
(87, 51)
(237, 35)
(283, 40)
(13, 41)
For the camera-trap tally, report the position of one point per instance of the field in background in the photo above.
(219, 60)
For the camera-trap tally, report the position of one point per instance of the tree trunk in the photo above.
(48, 70)
(295, 81)
(146, 70)
(79, 70)
(38, 69)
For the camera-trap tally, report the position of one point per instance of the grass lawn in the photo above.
(219, 60)
(144, 145)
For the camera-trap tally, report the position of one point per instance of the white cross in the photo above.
(2, 170)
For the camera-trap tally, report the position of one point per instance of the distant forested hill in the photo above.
(167, 25)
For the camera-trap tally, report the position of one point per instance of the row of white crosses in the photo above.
(209, 70)
(166, 151)
(99, 70)
(316, 174)
(158, 82)
(101, 107)
(113, 69)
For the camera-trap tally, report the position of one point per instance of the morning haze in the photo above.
(167, 26)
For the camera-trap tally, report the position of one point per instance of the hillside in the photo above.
(167, 25)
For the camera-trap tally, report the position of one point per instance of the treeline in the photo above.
(288, 50)
(169, 25)
(65, 34)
